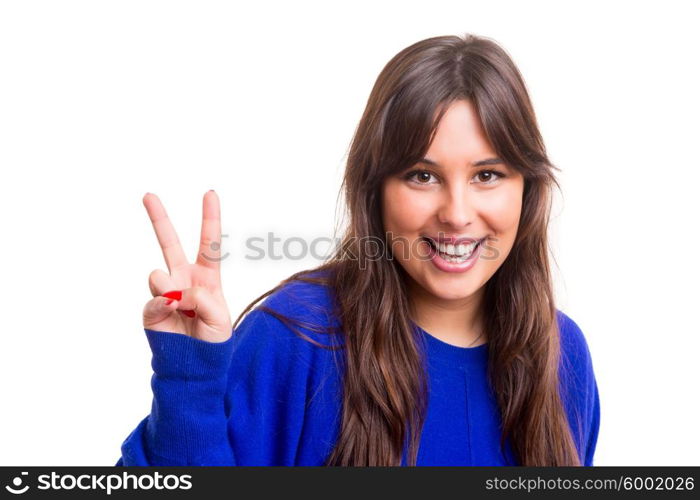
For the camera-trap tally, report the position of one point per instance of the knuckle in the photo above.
(155, 281)
(152, 278)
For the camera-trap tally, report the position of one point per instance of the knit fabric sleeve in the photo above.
(592, 439)
(579, 388)
(187, 424)
(266, 396)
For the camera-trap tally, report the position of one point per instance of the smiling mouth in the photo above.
(435, 248)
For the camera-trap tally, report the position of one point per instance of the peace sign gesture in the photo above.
(189, 300)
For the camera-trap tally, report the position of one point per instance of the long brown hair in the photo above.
(384, 386)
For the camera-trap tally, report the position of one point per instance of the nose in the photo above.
(456, 209)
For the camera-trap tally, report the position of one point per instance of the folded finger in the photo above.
(160, 282)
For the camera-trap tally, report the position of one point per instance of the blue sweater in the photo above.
(268, 397)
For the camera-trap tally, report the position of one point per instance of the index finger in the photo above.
(209, 254)
(165, 232)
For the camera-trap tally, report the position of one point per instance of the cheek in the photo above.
(502, 210)
(404, 211)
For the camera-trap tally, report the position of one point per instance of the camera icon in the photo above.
(215, 246)
(17, 482)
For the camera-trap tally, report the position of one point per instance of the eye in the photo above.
(493, 177)
(422, 177)
(419, 177)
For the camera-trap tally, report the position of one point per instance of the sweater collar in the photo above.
(450, 352)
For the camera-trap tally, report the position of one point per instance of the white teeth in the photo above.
(459, 250)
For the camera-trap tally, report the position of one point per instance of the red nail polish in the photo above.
(174, 294)
(189, 313)
(168, 302)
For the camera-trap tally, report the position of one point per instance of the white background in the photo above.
(101, 102)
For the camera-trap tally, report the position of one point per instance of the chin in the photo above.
(451, 291)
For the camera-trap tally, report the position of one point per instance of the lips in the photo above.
(449, 263)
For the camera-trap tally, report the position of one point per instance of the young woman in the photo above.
(430, 337)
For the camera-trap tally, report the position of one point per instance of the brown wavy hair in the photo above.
(384, 380)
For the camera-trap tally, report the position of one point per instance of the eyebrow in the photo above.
(481, 163)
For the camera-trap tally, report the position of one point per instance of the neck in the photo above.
(458, 322)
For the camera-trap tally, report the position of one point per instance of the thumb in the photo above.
(157, 309)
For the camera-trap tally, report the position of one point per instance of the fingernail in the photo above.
(173, 294)
(189, 313)
(168, 302)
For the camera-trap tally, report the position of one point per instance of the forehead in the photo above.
(459, 135)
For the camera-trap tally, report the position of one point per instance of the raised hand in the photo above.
(197, 305)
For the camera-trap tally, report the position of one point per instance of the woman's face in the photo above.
(449, 196)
